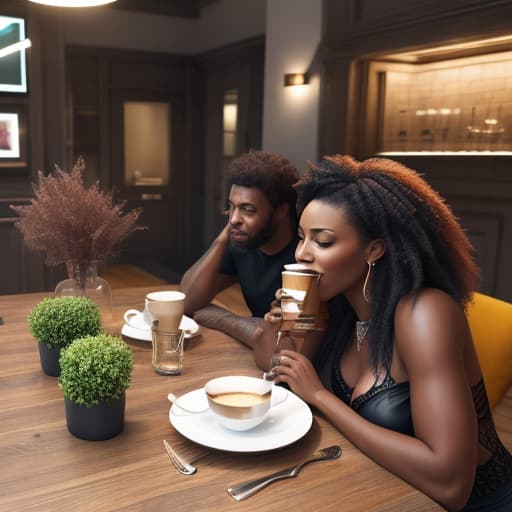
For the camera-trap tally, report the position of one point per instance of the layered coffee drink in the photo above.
(301, 303)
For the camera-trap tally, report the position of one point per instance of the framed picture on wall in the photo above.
(13, 137)
(13, 66)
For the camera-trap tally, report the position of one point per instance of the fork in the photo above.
(181, 465)
(244, 490)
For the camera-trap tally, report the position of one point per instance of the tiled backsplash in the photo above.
(434, 107)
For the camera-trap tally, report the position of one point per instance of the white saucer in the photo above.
(285, 423)
(140, 330)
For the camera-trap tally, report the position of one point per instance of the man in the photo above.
(258, 239)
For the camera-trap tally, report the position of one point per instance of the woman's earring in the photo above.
(365, 291)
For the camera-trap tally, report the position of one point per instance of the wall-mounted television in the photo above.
(13, 67)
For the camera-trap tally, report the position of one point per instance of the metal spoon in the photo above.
(172, 398)
(181, 466)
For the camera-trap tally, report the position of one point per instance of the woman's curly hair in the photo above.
(273, 174)
(425, 244)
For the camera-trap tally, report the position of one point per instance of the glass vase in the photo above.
(83, 281)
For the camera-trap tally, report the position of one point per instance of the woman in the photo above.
(396, 372)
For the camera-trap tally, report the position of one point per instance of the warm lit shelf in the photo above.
(459, 106)
(445, 153)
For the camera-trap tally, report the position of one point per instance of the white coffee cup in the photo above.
(241, 402)
(133, 319)
(166, 307)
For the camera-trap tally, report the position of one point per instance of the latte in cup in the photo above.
(240, 402)
(166, 307)
(238, 399)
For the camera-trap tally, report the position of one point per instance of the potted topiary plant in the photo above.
(95, 373)
(56, 322)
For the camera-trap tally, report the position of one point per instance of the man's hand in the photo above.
(202, 281)
(223, 236)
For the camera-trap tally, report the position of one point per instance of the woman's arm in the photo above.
(441, 459)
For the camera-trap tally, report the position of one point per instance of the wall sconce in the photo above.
(295, 79)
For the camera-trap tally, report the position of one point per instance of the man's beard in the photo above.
(253, 242)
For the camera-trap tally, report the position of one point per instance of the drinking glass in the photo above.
(167, 356)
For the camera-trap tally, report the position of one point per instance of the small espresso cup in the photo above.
(241, 402)
(166, 308)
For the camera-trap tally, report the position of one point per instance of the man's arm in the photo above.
(202, 281)
(240, 327)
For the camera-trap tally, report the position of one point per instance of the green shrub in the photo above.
(61, 320)
(95, 369)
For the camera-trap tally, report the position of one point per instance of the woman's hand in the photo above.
(298, 372)
(265, 336)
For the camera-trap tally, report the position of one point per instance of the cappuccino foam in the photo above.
(240, 399)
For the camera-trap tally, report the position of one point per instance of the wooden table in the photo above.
(44, 468)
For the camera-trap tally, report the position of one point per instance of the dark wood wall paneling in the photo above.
(116, 76)
(96, 76)
(23, 270)
(73, 109)
(237, 66)
(15, 260)
(478, 188)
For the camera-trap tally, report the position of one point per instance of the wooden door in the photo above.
(146, 158)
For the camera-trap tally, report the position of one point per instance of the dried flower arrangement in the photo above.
(71, 223)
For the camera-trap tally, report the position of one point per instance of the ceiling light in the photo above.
(73, 3)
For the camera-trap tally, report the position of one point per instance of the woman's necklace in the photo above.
(361, 331)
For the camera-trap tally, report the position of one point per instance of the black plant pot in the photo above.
(96, 423)
(49, 356)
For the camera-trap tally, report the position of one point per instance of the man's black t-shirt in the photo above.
(259, 274)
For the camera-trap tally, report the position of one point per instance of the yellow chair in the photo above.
(490, 321)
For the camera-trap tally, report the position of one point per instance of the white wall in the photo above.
(290, 115)
(221, 23)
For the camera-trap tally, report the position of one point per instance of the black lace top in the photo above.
(388, 404)
(497, 471)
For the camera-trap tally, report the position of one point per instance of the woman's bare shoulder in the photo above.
(429, 321)
(427, 300)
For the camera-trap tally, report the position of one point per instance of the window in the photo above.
(147, 148)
